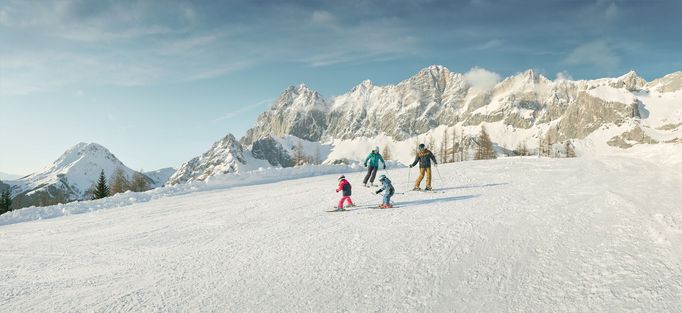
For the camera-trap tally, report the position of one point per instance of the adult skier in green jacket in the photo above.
(372, 165)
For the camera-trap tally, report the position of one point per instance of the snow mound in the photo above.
(259, 176)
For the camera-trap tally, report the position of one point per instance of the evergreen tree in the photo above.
(485, 149)
(5, 201)
(101, 188)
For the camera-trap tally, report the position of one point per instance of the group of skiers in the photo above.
(423, 157)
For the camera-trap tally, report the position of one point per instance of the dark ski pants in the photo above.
(371, 173)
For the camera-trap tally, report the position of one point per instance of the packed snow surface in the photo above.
(598, 234)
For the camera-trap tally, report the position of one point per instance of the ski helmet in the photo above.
(422, 146)
(376, 149)
(342, 177)
(382, 177)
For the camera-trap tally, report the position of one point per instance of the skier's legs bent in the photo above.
(387, 197)
(344, 199)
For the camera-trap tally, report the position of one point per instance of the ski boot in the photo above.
(417, 189)
(428, 189)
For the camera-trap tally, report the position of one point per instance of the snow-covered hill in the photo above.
(69, 177)
(498, 237)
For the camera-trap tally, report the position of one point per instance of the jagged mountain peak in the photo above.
(364, 86)
(630, 81)
(225, 156)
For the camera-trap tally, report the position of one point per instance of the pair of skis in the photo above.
(361, 207)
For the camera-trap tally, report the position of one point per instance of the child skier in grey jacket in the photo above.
(388, 190)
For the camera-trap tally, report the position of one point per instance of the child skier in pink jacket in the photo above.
(344, 186)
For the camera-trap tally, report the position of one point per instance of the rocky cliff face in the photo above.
(435, 96)
(299, 112)
(224, 157)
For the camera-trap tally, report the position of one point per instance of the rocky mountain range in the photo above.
(518, 110)
(607, 113)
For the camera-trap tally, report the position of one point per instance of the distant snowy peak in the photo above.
(160, 176)
(80, 164)
(225, 156)
(70, 176)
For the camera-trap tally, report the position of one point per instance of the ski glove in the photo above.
(411, 166)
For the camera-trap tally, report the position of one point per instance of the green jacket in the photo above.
(374, 159)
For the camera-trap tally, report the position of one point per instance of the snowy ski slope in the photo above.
(508, 235)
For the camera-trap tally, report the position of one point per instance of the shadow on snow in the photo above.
(435, 200)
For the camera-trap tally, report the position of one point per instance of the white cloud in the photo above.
(481, 78)
(612, 11)
(597, 53)
(324, 18)
(491, 44)
(149, 42)
(563, 75)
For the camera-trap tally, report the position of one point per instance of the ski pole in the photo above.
(409, 170)
(439, 177)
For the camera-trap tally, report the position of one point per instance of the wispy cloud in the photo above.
(236, 113)
(131, 43)
(597, 53)
(491, 44)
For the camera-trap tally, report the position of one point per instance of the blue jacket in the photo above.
(387, 186)
(374, 159)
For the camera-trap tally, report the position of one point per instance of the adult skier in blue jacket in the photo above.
(372, 165)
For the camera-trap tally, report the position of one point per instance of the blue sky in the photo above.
(157, 82)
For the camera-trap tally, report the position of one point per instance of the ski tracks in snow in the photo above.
(512, 235)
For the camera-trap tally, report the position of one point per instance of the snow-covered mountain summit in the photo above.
(225, 156)
(298, 111)
(435, 96)
(70, 176)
